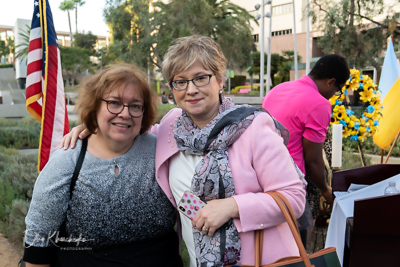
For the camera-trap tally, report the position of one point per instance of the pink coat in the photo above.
(260, 162)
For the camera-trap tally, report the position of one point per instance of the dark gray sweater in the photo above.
(106, 209)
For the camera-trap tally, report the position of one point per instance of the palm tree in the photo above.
(225, 22)
(77, 3)
(68, 5)
(22, 49)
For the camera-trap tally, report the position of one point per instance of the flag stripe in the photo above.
(49, 105)
(33, 79)
(35, 33)
(390, 70)
(35, 44)
(60, 109)
(389, 125)
(45, 90)
(389, 85)
(35, 55)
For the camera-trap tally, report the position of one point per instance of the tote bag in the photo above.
(324, 258)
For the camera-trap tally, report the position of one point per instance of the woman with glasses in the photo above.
(225, 154)
(117, 215)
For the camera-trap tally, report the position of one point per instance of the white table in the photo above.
(343, 208)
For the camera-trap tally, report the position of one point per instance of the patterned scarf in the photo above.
(213, 177)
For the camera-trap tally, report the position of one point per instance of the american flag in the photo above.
(45, 99)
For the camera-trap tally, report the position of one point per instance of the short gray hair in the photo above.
(185, 51)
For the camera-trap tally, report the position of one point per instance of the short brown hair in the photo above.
(94, 87)
(187, 50)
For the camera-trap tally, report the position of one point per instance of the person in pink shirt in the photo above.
(302, 106)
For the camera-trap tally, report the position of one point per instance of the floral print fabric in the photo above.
(213, 177)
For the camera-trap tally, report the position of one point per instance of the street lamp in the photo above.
(269, 52)
(263, 3)
(296, 71)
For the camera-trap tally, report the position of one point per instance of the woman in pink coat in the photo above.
(227, 155)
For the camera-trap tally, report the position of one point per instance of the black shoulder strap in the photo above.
(78, 166)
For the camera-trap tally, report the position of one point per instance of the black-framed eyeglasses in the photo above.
(339, 92)
(116, 107)
(198, 81)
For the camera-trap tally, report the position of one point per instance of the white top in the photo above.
(181, 171)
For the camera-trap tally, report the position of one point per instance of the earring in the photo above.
(221, 91)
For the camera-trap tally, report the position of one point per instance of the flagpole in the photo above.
(43, 20)
(391, 149)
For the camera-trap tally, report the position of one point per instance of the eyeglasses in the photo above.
(198, 81)
(339, 92)
(115, 107)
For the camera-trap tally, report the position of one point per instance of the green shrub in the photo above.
(15, 226)
(20, 137)
(22, 134)
(8, 123)
(237, 88)
(19, 134)
(163, 109)
(370, 147)
(8, 151)
(253, 93)
(5, 66)
(18, 174)
(352, 161)
(238, 80)
(7, 194)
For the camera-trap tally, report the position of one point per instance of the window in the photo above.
(255, 38)
(282, 32)
(282, 9)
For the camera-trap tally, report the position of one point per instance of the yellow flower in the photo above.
(332, 100)
(354, 73)
(366, 95)
(346, 133)
(352, 86)
(335, 109)
(362, 137)
(376, 116)
(367, 90)
(341, 98)
(368, 115)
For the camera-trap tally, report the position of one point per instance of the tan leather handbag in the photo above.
(324, 258)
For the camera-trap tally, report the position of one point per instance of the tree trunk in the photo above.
(70, 28)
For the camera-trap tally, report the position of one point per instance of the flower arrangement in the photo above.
(358, 128)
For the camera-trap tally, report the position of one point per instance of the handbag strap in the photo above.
(288, 213)
(78, 167)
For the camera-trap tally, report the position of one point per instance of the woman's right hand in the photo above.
(79, 131)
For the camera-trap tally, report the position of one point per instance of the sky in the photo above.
(90, 15)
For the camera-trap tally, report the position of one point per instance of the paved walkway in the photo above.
(375, 159)
(9, 257)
